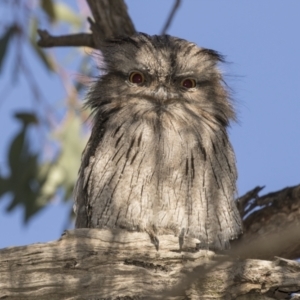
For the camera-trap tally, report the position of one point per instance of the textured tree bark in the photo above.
(100, 264)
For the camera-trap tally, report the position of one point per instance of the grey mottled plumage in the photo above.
(159, 159)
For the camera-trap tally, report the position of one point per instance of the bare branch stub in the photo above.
(111, 20)
(74, 40)
(171, 16)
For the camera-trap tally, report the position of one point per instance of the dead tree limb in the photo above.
(272, 229)
(101, 264)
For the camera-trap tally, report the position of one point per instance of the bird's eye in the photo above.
(188, 83)
(136, 77)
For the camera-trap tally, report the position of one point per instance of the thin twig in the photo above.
(171, 16)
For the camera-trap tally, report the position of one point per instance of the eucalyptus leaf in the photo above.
(53, 181)
(22, 182)
(15, 149)
(65, 13)
(4, 185)
(63, 172)
(27, 118)
(33, 184)
(46, 59)
(48, 8)
(72, 143)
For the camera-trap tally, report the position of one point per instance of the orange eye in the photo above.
(136, 77)
(188, 83)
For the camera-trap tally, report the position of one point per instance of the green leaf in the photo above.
(16, 150)
(44, 57)
(64, 13)
(27, 118)
(31, 183)
(4, 41)
(64, 172)
(46, 60)
(4, 186)
(48, 8)
(23, 182)
(52, 181)
(23, 185)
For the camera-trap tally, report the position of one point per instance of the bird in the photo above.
(159, 159)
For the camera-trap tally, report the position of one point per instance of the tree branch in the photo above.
(111, 20)
(74, 40)
(273, 228)
(248, 202)
(93, 263)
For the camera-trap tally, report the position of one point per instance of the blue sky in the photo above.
(260, 40)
